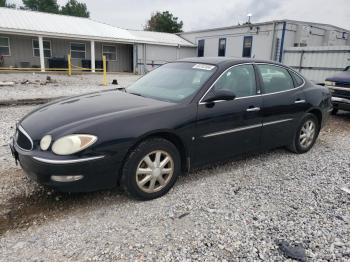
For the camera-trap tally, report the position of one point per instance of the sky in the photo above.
(203, 14)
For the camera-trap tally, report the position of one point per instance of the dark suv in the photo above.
(339, 85)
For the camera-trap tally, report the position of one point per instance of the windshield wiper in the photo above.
(136, 94)
(123, 89)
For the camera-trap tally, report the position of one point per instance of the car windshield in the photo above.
(173, 82)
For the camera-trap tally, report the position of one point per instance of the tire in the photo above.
(138, 168)
(298, 146)
(334, 111)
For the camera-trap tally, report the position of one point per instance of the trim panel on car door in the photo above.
(246, 128)
(232, 130)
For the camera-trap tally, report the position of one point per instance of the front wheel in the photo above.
(151, 169)
(306, 134)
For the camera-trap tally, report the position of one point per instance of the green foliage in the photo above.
(74, 8)
(3, 3)
(164, 22)
(48, 6)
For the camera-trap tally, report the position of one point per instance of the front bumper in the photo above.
(340, 97)
(341, 103)
(96, 172)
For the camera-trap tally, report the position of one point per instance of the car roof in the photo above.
(224, 60)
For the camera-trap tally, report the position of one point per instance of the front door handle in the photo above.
(299, 101)
(253, 109)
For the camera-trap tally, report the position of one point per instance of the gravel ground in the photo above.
(236, 211)
(61, 85)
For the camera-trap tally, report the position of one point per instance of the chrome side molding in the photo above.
(68, 161)
(238, 129)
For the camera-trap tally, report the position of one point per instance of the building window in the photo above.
(47, 48)
(78, 50)
(222, 47)
(200, 50)
(4, 46)
(110, 51)
(247, 46)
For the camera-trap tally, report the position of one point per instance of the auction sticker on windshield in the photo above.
(203, 67)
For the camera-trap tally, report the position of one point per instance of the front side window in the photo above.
(4, 46)
(275, 78)
(222, 47)
(239, 79)
(200, 48)
(110, 51)
(78, 50)
(47, 48)
(247, 46)
(173, 82)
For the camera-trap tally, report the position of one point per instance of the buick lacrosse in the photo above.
(185, 114)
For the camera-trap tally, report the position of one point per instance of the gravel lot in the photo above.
(239, 210)
(61, 85)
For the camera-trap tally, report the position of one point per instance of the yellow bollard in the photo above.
(69, 65)
(104, 70)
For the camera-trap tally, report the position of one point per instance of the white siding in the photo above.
(158, 55)
(264, 46)
(317, 63)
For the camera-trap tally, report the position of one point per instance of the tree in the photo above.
(4, 4)
(74, 8)
(48, 6)
(164, 22)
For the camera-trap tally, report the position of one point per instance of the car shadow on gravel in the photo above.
(43, 204)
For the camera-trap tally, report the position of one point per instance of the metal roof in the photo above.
(328, 26)
(54, 25)
(161, 37)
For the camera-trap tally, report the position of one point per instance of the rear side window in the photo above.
(297, 79)
(275, 79)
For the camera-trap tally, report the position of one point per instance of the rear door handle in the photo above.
(299, 101)
(253, 109)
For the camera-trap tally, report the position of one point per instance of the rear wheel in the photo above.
(151, 169)
(306, 134)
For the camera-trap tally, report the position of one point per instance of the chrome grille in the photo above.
(23, 140)
(342, 84)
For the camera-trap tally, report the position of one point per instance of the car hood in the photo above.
(92, 106)
(343, 77)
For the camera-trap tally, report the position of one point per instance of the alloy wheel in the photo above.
(154, 171)
(307, 134)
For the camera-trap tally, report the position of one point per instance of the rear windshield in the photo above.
(173, 82)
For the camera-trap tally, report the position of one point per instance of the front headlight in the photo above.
(329, 83)
(71, 144)
(45, 142)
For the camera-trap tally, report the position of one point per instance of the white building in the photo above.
(40, 41)
(265, 40)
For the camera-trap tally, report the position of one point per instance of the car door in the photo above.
(283, 105)
(226, 128)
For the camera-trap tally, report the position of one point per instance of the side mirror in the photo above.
(218, 95)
